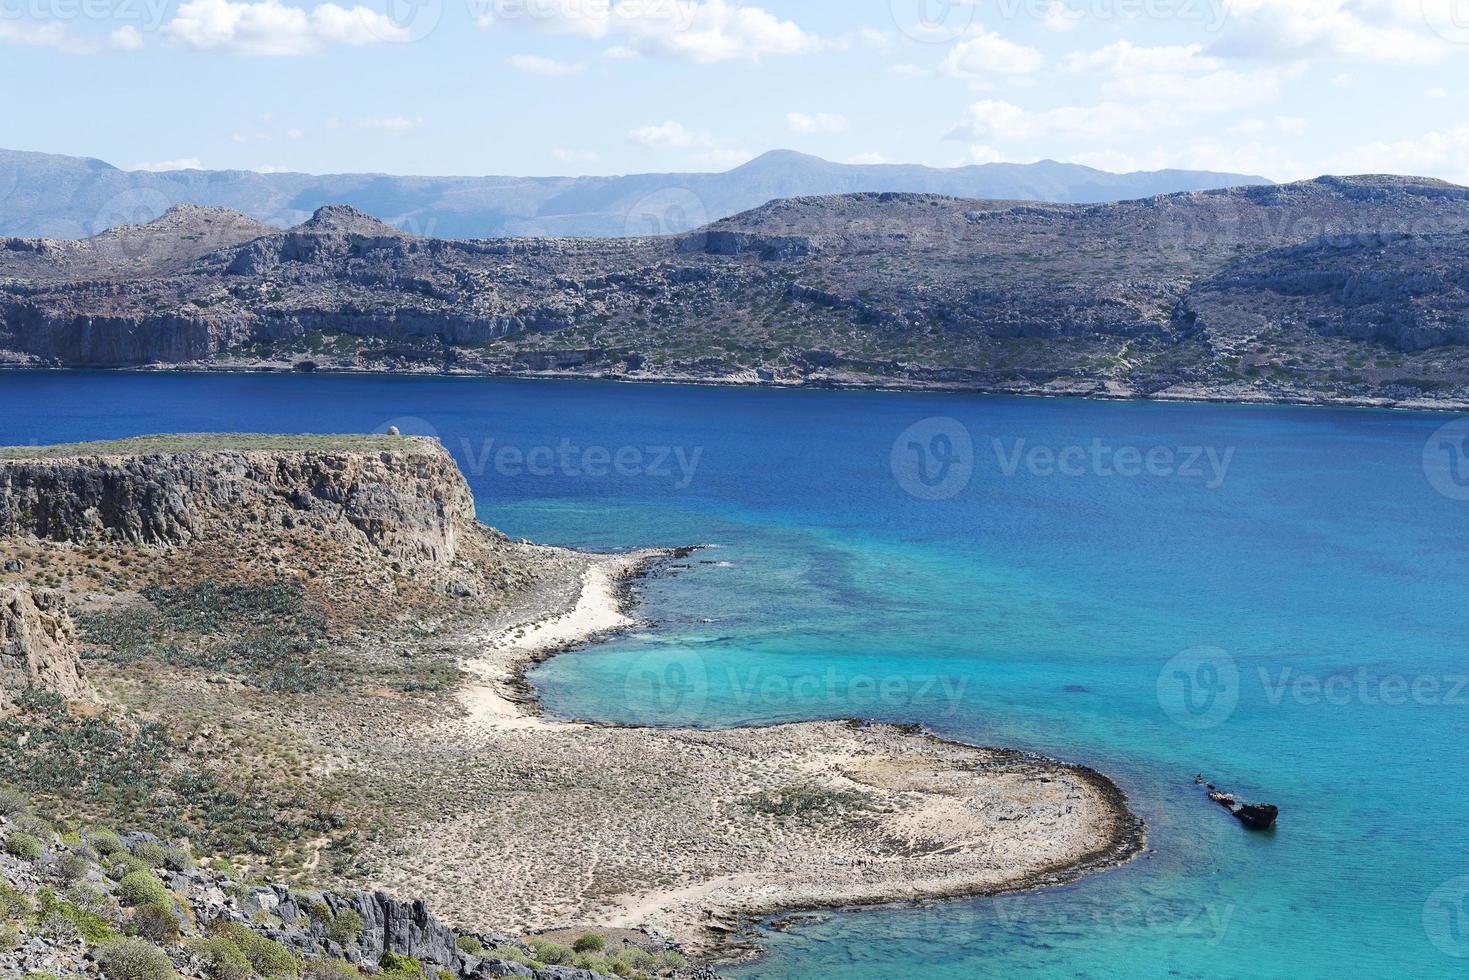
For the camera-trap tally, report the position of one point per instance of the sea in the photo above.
(1274, 597)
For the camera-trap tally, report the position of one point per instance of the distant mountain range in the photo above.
(1337, 289)
(50, 196)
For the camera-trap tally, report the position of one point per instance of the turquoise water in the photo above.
(1291, 623)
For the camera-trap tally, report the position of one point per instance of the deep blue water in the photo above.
(1292, 623)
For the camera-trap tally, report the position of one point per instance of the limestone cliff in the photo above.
(400, 497)
(38, 647)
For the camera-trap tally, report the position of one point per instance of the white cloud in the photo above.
(1181, 74)
(979, 153)
(682, 30)
(619, 52)
(991, 119)
(550, 67)
(1408, 31)
(911, 70)
(1439, 153)
(1059, 17)
(125, 39)
(186, 163)
(670, 134)
(392, 125)
(820, 122)
(269, 28)
(1437, 92)
(54, 35)
(990, 54)
(574, 156)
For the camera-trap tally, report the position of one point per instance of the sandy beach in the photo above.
(699, 834)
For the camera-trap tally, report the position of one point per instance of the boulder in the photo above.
(38, 646)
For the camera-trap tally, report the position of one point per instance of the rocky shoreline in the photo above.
(333, 604)
(733, 937)
(1081, 389)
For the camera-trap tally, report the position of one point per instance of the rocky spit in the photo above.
(504, 821)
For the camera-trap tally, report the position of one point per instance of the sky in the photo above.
(1286, 89)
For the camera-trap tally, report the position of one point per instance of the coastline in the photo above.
(716, 916)
(1097, 390)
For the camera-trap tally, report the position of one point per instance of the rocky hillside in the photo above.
(38, 647)
(82, 900)
(72, 197)
(1133, 298)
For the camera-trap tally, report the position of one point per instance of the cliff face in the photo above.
(408, 503)
(38, 646)
(861, 288)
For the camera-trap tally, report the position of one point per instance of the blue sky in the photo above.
(1283, 88)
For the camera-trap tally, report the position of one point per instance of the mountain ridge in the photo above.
(56, 196)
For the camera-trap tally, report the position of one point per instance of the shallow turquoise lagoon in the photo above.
(1286, 613)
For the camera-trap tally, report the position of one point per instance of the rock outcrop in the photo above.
(401, 497)
(1134, 297)
(38, 646)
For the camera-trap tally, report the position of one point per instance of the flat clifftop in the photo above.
(214, 442)
(394, 497)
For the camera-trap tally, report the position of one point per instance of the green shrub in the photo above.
(396, 966)
(510, 953)
(12, 801)
(9, 938)
(104, 841)
(155, 855)
(155, 923)
(552, 954)
(13, 903)
(23, 845)
(346, 928)
(72, 867)
(470, 945)
(134, 959)
(672, 959)
(331, 970)
(589, 943)
(143, 888)
(122, 864)
(268, 957)
(221, 958)
(92, 899)
(177, 858)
